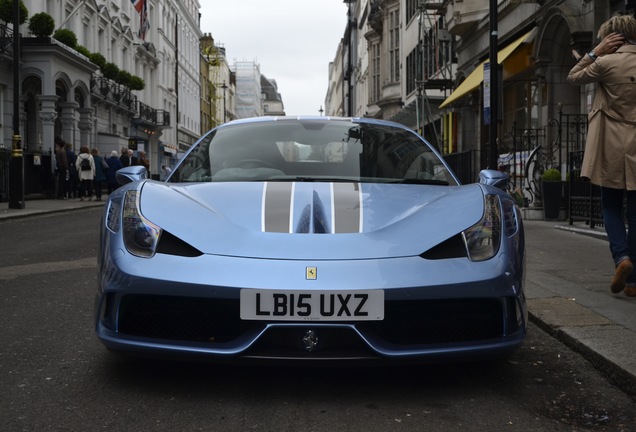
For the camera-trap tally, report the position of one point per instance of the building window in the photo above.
(413, 67)
(520, 106)
(411, 9)
(374, 83)
(1, 104)
(394, 45)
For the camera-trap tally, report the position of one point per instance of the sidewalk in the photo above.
(568, 271)
(45, 206)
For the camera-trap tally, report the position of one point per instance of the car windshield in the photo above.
(312, 150)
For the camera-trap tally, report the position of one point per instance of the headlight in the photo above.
(482, 240)
(140, 235)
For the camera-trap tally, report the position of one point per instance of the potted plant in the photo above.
(41, 25)
(551, 190)
(67, 37)
(6, 11)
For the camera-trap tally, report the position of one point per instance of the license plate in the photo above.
(312, 305)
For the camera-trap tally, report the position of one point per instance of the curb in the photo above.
(618, 376)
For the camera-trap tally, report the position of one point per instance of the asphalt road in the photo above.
(55, 375)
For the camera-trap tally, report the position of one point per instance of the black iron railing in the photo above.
(463, 165)
(583, 198)
(152, 115)
(112, 92)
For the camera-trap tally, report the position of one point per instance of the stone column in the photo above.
(85, 125)
(67, 117)
(48, 114)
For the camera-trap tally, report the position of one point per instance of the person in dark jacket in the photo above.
(124, 158)
(132, 157)
(114, 164)
(72, 183)
(61, 163)
(101, 166)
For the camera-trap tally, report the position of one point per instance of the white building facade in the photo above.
(394, 62)
(64, 94)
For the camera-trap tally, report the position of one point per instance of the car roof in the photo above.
(358, 120)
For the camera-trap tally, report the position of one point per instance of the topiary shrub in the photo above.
(67, 37)
(98, 59)
(41, 25)
(123, 78)
(136, 83)
(551, 174)
(83, 50)
(6, 11)
(110, 71)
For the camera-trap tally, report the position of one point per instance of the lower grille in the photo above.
(406, 323)
(439, 321)
(181, 318)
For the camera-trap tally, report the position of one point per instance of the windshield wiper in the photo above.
(422, 181)
(313, 179)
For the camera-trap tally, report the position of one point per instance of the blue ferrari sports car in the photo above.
(311, 239)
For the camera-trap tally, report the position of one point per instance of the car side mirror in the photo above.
(131, 174)
(496, 178)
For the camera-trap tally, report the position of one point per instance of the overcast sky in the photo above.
(293, 41)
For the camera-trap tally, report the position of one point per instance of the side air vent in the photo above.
(454, 247)
(511, 224)
(171, 245)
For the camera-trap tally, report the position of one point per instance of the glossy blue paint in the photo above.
(400, 225)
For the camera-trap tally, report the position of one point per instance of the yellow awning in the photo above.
(475, 78)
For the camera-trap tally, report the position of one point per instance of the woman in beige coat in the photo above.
(610, 150)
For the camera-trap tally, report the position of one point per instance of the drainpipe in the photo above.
(494, 87)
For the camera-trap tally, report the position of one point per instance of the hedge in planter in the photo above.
(551, 189)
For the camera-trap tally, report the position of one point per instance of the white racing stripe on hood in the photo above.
(346, 208)
(276, 214)
(279, 199)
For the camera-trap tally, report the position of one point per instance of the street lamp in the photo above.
(16, 177)
(224, 87)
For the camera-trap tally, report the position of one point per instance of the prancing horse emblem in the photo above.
(310, 340)
(311, 273)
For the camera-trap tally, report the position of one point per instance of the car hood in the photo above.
(311, 220)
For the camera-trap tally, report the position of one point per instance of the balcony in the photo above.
(111, 92)
(463, 14)
(6, 37)
(154, 117)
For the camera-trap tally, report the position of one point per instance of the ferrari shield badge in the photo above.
(311, 273)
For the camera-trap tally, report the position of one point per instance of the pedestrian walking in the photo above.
(101, 168)
(132, 158)
(85, 166)
(71, 182)
(143, 160)
(114, 164)
(610, 150)
(124, 158)
(61, 164)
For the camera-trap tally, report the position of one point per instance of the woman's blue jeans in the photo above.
(622, 241)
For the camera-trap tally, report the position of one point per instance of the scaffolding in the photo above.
(436, 65)
(248, 89)
(213, 54)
